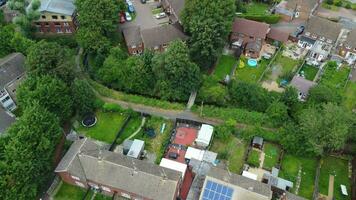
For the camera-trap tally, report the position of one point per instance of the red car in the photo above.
(122, 17)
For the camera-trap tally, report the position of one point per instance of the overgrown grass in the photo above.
(231, 150)
(130, 128)
(339, 168)
(309, 72)
(104, 91)
(335, 78)
(109, 123)
(272, 153)
(251, 74)
(69, 192)
(289, 171)
(256, 8)
(254, 158)
(225, 65)
(350, 96)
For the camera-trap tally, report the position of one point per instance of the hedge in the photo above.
(269, 19)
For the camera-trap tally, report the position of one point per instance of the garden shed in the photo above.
(257, 142)
(136, 148)
(174, 165)
(204, 135)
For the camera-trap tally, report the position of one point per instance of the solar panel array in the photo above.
(216, 191)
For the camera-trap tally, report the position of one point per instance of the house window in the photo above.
(46, 24)
(140, 51)
(106, 189)
(314, 36)
(125, 195)
(54, 17)
(68, 30)
(43, 17)
(58, 29)
(63, 17)
(4, 100)
(57, 24)
(79, 184)
(355, 49)
(38, 24)
(296, 14)
(75, 178)
(65, 24)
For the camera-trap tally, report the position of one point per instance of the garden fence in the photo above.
(316, 181)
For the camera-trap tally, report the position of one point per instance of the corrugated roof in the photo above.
(65, 7)
(250, 28)
(11, 67)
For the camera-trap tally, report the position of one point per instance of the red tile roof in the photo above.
(278, 35)
(250, 28)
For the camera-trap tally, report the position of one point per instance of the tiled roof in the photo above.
(11, 67)
(132, 35)
(161, 35)
(278, 35)
(323, 27)
(250, 28)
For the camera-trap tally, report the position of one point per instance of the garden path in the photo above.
(299, 180)
(331, 187)
(139, 128)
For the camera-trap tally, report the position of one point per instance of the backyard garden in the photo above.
(224, 66)
(72, 192)
(272, 152)
(257, 11)
(350, 96)
(308, 72)
(339, 168)
(294, 166)
(232, 150)
(254, 158)
(334, 76)
(250, 74)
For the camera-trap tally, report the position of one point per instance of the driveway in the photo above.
(144, 17)
(289, 27)
(342, 12)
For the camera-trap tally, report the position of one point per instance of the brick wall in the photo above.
(55, 27)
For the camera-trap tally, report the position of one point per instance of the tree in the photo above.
(176, 75)
(290, 98)
(250, 96)
(49, 58)
(2, 18)
(225, 130)
(277, 112)
(20, 43)
(212, 93)
(323, 94)
(209, 23)
(6, 35)
(26, 14)
(27, 155)
(83, 97)
(49, 92)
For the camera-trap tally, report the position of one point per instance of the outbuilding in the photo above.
(136, 149)
(174, 165)
(204, 135)
(257, 142)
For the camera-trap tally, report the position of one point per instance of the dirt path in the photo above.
(139, 128)
(331, 187)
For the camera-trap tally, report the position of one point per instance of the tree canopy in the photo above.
(83, 97)
(26, 14)
(209, 23)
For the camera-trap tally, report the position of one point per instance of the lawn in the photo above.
(225, 65)
(289, 171)
(109, 123)
(281, 66)
(232, 150)
(156, 145)
(130, 128)
(339, 168)
(350, 96)
(335, 78)
(254, 158)
(256, 8)
(69, 192)
(309, 71)
(272, 152)
(251, 74)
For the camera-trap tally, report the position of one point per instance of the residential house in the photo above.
(251, 36)
(12, 72)
(296, 9)
(347, 49)
(319, 37)
(89, 164)
(157, 38)
(6, 119)
(57, 16)
(278, 185)
(303, 86)
(174, 9)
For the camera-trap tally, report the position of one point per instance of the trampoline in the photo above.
(89, 121)
(252, 62)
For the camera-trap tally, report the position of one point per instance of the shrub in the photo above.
(98, 103)
(111, 107)
(269, 19)
(254, 158)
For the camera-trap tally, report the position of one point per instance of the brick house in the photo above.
(347, 48)
(157, 38)
(56, 17)
(88, 164)
(296, 9)
(12, 72)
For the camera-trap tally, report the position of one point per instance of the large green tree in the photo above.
(176, 75)
(208, 23)
(27, 154)
(324, 94)
(278, 113)
(26, 13)
(83, 97)
(6, 35)
(49, 92)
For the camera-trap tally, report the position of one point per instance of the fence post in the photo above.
(316, 181)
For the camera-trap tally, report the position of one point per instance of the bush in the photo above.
(111, 107)
(68, 41)
(269, 19)
(98, 103)
(254, 158)
(272, 136)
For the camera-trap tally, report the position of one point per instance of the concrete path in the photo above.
(331, 187)
(262, 159)
(139, 129)
(191, 100)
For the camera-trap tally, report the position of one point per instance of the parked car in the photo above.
(2, 2)
(160, 15)
(143, 1)
(128, 16)
(300, 30)
(130, 7)
(122, 17)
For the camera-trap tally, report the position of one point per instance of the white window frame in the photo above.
(75, 177)
(80, 184)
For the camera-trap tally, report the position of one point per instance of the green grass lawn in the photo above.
(254, 158)
(251, 74)
(156, 144)
(282, 65)
(256, 8)
(289, 171)
(232, 150)
(339, 168)
(69, 192)
(106, 128)
(130, 128)
(99, 196)
(309, 71)
(272, 152)
(335, 78)
(157, 10)
(225, 65)
(350, 96)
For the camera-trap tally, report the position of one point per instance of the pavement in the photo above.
(144, 17)
(342, 12)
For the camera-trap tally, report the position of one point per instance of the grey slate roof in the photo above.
(351, 39)
(132, 35)
(176, 5)
(241, 181)
(11, 67)
(5, 120)
(302, 85)
(323, 27)
(291, 196)
(65, 7)
(277, 182)
(87, 160)
(257, 140)
(161, 35)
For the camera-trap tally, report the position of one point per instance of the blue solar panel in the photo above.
(216, 191)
